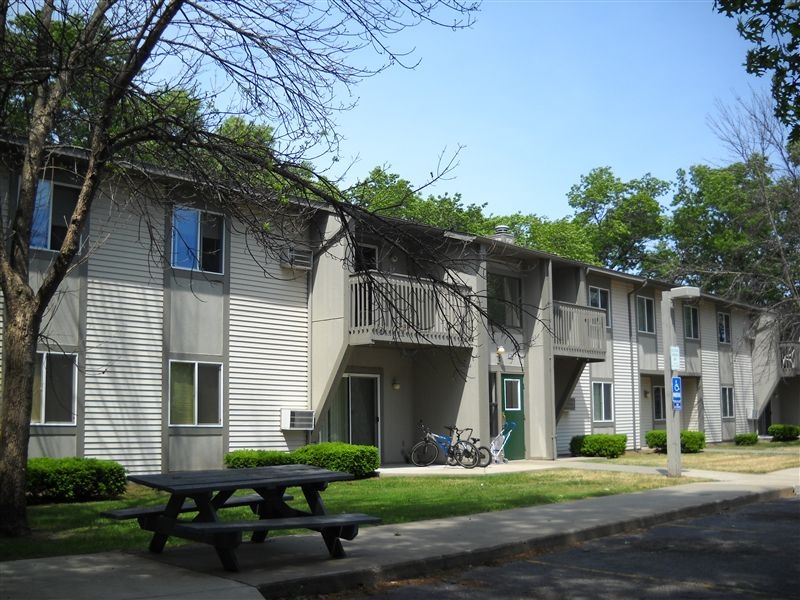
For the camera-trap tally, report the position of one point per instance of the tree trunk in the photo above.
(20, 333)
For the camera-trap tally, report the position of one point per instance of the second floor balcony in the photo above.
(397, 308)
(790, 358)
(579, 331)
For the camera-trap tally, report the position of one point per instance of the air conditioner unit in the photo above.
(292, 419)
(297, 258)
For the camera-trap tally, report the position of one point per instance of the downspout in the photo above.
(634, 372)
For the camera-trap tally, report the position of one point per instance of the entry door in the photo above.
(513, 410)
(364, 410)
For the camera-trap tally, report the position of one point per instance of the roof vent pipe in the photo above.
(502, 233)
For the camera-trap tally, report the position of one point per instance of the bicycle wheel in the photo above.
(485, 456)
(424, 453)
(467, 455)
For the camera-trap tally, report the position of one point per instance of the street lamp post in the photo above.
(673, 413)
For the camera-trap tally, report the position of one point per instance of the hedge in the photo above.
(361, 461)
(73, 480)
(598, 444)
(691, 441)
(784, 433)
(745, 439)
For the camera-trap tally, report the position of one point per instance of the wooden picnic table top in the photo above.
(276, 476)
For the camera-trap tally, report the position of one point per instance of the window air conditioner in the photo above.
(297, 259)
(292, 419)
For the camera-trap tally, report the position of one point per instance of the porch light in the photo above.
(500, 351)
(395, 384)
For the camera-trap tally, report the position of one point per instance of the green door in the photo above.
(513, 411)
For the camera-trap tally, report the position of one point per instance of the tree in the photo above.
(621, 218)
(773, 26)
(126, 83)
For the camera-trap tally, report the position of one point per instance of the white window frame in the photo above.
(727, 401)
(659, 403)
(691, 322)
(196, 256)
(645, 311)
(50, 186)
(602, 391)
(724, 328)
(42, 358)
(601, 298)
(196, 412)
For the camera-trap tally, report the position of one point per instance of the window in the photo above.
(602, 402)
(598, 297)
(197, 240)
(194, 393)
(52, 212)
(645, 314)
(54, 389)
(727, 403)
(366, 258)
(724, 328)
(659, 404)
(691, 323)
(504, 300)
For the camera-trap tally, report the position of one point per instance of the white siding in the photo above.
(626, 369)
(743, 395)
(268, 348)
(578, 421)
(124, 316)
(710, 393)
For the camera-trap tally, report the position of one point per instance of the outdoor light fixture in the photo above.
(500, 351)
(646, 394)
(395, 384)
(671, 365)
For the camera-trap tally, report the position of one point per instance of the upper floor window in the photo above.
(602, 401)
(598, 297)
(365, 258)
(645, 314)
(54, 389)
(724, 328)
(727, 403)
(52, 212)
(197, 240)
(504, 299)
(195, 393)
(691, 323)
(659, 403)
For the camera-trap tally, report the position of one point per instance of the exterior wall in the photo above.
(743, 389)
(710, 383)
(626, 384)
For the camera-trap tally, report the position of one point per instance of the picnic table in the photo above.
(209, 491)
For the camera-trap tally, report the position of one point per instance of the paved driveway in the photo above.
(750, 552)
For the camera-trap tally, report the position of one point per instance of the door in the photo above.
(513, 410)
(364, 410)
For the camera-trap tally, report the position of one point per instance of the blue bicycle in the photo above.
(456, 450)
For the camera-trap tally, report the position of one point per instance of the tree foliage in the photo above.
(773, 27)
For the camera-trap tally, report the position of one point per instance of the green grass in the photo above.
(79, 529)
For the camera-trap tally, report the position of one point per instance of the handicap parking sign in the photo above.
(676, 393)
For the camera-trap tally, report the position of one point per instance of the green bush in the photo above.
(784, 433)
(599, 444)
(340, 456)
(691, 441)
(73, 480)
(243, 459)
(337, 456)
(745, 439)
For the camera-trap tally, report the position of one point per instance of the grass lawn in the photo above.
(79, 529)
(763, 457)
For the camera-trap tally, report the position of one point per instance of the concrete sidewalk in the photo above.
(295, 565)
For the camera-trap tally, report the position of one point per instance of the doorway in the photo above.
(353, 416)
(513, 410)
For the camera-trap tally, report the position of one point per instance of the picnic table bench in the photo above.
(207, 492)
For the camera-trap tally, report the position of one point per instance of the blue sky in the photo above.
(540, 93)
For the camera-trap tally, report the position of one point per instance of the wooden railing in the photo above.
(789, 358)
(579, 331)
(405, 309)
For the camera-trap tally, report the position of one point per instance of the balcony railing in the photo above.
(397, 308)
(579, 331)
(790, 358)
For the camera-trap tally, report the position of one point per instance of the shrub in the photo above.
(599, 444)
(73, 480)
(656, 439)
(745, 439)
(244, 459)
(784, 433)
(340, 456)
(691, 441)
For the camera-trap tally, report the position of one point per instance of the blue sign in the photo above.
(677, 403)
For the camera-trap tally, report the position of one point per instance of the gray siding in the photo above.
(712, 410)
(626, 368)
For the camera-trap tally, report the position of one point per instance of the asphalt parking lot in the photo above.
(750, 552)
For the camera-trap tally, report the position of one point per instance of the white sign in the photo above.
(675, 357)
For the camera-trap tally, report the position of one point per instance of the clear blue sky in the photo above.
(540, 93)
